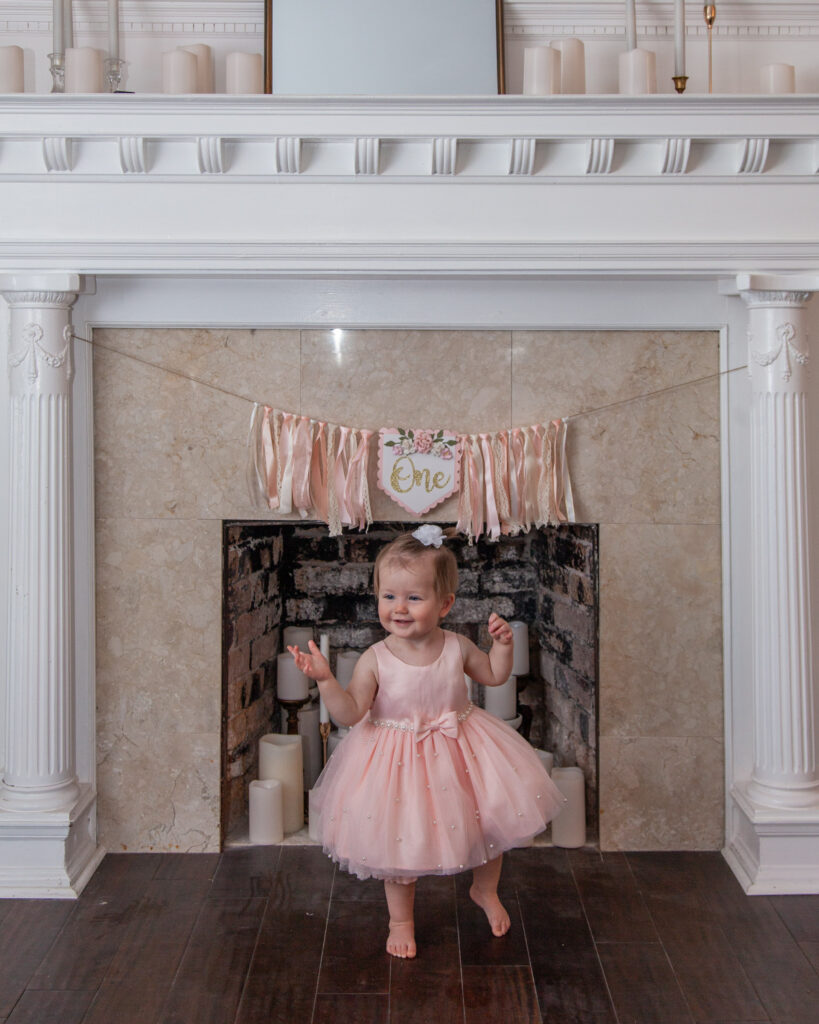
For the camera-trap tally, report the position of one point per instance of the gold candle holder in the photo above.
(293, 707)
(679, 82)
(710, 13)
(324, 730)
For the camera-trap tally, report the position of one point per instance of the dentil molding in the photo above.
(603, 19)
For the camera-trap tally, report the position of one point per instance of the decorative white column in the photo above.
(785, 754)
(47, 842)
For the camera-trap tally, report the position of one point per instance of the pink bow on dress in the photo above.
(447, 724)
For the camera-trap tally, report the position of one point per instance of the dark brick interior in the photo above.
(282, 574)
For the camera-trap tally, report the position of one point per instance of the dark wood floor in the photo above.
(274, 934)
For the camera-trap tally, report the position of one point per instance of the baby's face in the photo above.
(408, 605)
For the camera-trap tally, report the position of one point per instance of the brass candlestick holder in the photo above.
(324, 730)
(293, 707)
(679, 82)
(710, 13)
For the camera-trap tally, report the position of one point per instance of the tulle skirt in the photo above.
(393, 807)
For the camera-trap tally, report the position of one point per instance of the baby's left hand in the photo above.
(499, 629)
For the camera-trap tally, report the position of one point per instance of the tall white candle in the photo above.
(520, 641)
(541, 71)
(68, 23)
(113, 29)
(679, 37)
(324, 647)
(296, 636)
(501, 701)
(778, 78)
(266, 811)
(58, 26)
(631, 25)
(83, 69)
(291, 682)
(178, 72)
(204, 65)
(11, 69)
(311, 745)
(569, 827)
(244, 74)
(638, 72)
(572, 65)
(280, 757)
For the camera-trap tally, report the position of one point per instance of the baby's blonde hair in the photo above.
(404, 550)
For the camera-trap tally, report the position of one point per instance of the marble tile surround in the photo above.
(170, 465)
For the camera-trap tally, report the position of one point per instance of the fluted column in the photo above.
(39, 773)
(785, 707)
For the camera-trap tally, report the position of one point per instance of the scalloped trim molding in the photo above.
(602, 19)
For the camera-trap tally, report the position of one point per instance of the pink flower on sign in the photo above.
(446, 453)
(423, 441)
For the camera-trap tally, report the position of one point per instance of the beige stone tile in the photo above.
(656, 459)
(561, 373)
(661, 793)
(159, 685)
(260, 365)
(455, 379)
(660, 631)
(166, 446)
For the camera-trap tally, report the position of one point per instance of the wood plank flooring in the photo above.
(276, 934)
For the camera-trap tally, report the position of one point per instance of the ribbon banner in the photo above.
(506, 481)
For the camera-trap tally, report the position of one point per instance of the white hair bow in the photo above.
(429, 534)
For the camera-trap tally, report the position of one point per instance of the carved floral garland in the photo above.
(507, 481)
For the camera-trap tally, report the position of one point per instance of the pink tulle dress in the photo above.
(427, 783)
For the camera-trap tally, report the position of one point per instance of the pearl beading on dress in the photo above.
(405, 725)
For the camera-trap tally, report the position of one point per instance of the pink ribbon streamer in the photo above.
(318, 470)
(356, 496)
(270, 467)
(340, 474)
(302, 458)
(491, 505)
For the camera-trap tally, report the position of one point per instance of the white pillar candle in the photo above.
(68, 24)
(311, 745)
(631, 25)
(638, 73)
(113, 29)
(178, 73)
(541, 71)
(778, 78)
(244, 74)
(57, 26)
(569, 827)
(204, 66)
(324, 647)
(297, 636)
(501, 701)
(313, 819)
(547, 759)
(83, 69)
(679, 37)
(291, 682)
(266, 811)
(520, 641)
(572, 65)
(280, 757)
(11, 69)
(346, 662)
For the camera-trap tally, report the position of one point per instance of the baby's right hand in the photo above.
(313, 664)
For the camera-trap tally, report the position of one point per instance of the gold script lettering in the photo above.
(402, 472)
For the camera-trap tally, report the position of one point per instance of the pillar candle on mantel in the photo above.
(502, 701)
(280, 757)
(569, 827)
(541, 71)
(11, 69)
(204, 66)
(291, 682)
(572, 65)
(244, 74)
(83, 69)
(520, 642)
(297, 636)
(266, 811)
(778, 79)
(178, 73)
(638, 73)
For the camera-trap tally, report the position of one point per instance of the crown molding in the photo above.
(531, 19)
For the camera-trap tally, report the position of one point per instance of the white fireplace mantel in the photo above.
(573, 212)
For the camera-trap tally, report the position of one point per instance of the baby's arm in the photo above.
(346, 706)
(494, 668)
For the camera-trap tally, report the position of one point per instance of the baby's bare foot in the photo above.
(401, 940)
(493, 908)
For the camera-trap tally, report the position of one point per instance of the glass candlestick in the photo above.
(113, 73)
(57, 68)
